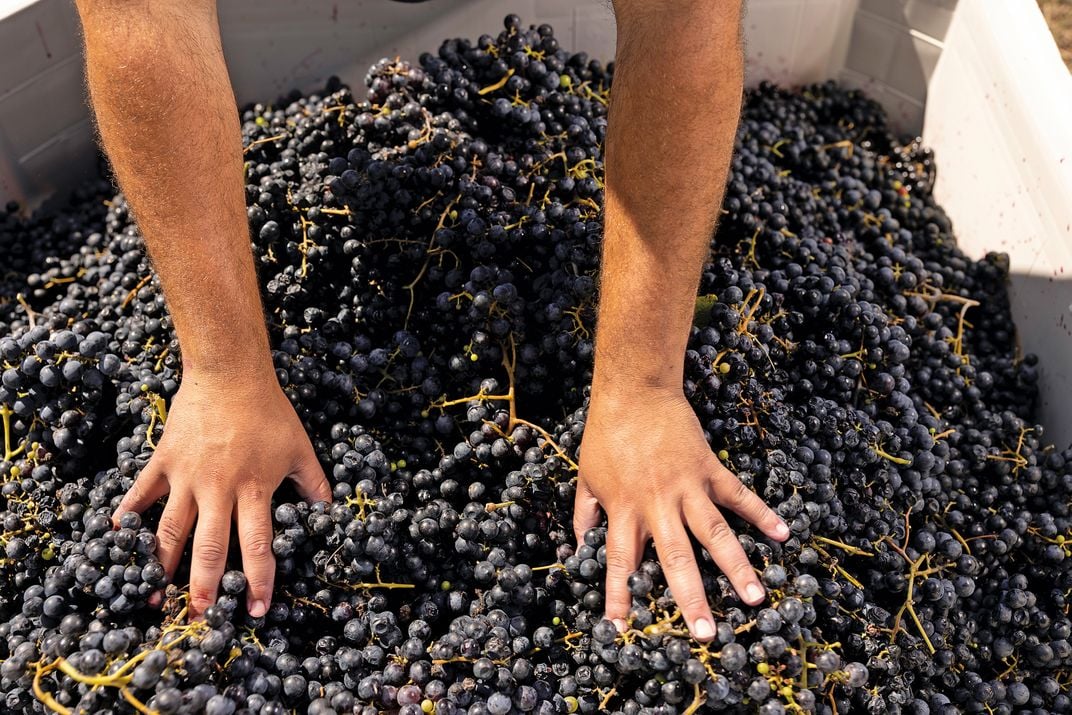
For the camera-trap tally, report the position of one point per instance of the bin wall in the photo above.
(997, 119)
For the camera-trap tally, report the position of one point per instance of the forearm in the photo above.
(674, 111)
(167, 118)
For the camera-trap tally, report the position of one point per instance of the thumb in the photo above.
(310, 480)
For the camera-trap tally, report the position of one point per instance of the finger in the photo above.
(210, 553)
(310, 480)
(682, 575)
(149, 486)
(730, 492)
(255, 537)
(624, 546)
(174, 530)
(585, 511)
(710, 529)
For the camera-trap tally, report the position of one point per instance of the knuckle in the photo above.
(740, 570)
(719, 533)
(155, 465)
(316, 470)
(312, 481)
(676, 557)
(733, 562)
(693, 601)
(254, 492)
(258, 548)
(171, 532)
(136, 494)
(135, 491)
(618, 562)
(211, 550)
(618, 595)
(736, 492)
(214, 481)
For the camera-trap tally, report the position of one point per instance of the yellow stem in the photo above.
(135, 703)
(699, 697)
(912, 612)
(548, 567)
(264, 140)
(886, 455)
(134, 291)
(843, 546)
(607, 698)
(31, 316)
(44, 696)
(508, 397)
(498, 85)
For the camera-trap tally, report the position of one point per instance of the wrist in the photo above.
(617, 386)
(625, 368)
(253, 372)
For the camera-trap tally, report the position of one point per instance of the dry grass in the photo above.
(1059, 14)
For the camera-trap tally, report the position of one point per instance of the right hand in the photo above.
(228, 444)
(644, 459)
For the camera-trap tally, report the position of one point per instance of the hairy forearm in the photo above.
(167, 118)
(674, 111)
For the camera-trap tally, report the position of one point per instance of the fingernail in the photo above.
(257, 608)
(753, 592)
(703, 629)
(620, 625)
(781, 531)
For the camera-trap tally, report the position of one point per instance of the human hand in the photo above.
(217, 463)
(644, 459)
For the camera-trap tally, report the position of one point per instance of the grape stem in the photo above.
(834, 565)
(886, 455)
(412, 285)
(699, 697)
(31, 316)
(843, 546)
(914, 572)
(606, 697)
(120, 678)
(134, 291)
(9, 453)
(510, 398)
(264, 140)
(498, 85)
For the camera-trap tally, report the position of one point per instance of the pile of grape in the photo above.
(428, 252)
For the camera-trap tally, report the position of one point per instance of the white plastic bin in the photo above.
(981, 79)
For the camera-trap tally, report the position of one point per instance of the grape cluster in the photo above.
(428, 254)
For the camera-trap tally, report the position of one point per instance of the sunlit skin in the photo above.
(167, 119)
(644, 458)
(166, 116)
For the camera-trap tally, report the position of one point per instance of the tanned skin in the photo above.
(167, 119)
(674, 111)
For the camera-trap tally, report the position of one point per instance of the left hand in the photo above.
(644, 459)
